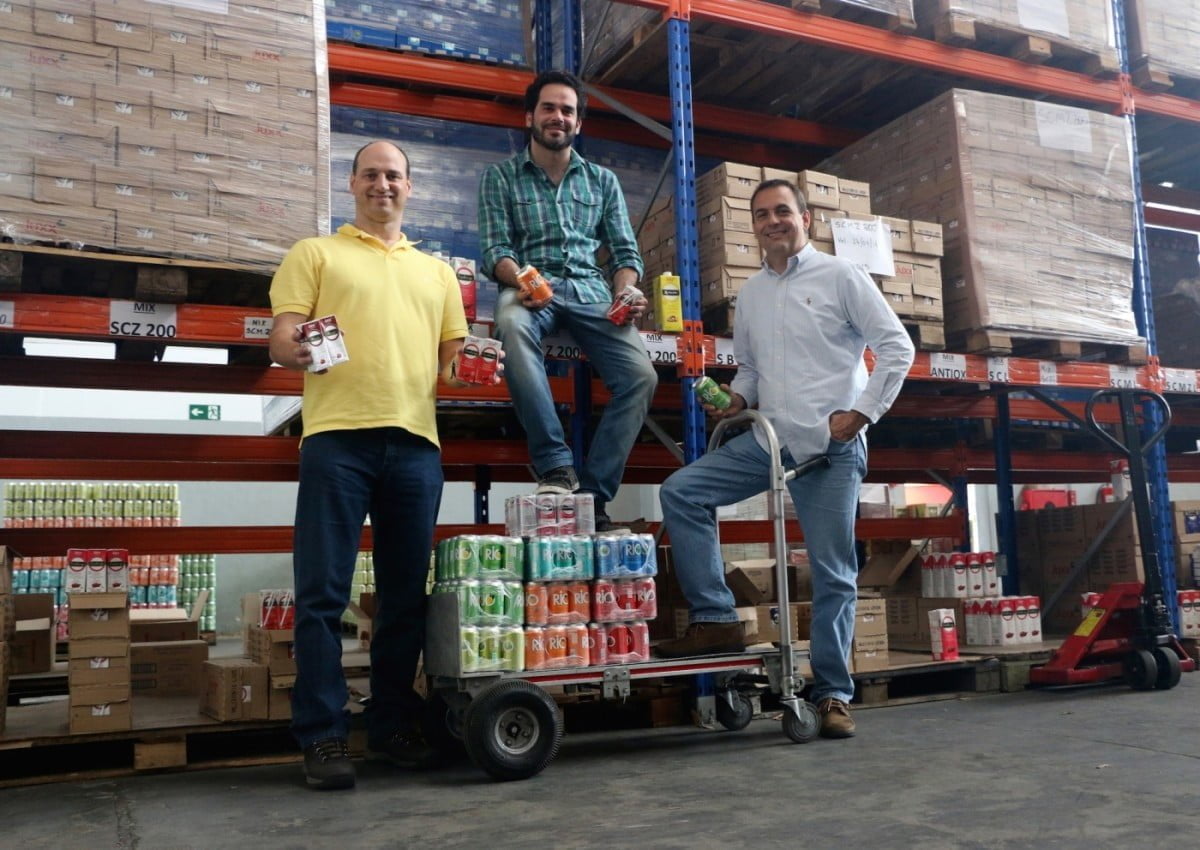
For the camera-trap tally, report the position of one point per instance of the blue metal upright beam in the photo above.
(543, 34)
(1006, 515)
(1156, 460)
(572, 27)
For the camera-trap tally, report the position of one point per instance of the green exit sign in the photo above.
(204, 411)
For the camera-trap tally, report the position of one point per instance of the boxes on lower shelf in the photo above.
(235, 690)
(167, 668)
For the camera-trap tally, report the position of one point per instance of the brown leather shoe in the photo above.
(836, 721)
(704, 639)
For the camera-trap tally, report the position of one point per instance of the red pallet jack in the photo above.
(1128, 633)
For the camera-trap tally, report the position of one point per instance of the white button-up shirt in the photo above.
(799, 339)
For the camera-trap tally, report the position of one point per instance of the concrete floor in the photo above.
(1085, 768)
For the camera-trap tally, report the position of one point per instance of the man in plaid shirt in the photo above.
(550, 208)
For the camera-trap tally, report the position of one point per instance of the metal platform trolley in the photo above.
(512, 728)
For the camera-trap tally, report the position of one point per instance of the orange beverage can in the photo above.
(577, 645)
(535, 648)
(580, 602)
(534, 285)
(556, 647)
(537, 604)
(559, 605)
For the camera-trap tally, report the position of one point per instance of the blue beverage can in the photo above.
(607, 556)
(635, 554)
(537, 557)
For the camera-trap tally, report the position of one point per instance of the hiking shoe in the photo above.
(704, 639)
(327, 765)
(406, 748)
(836, 721)
(561, 479)
(603, 523)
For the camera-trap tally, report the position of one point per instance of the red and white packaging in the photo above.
(622, 305)
(1033, 608)
(943, 634)
(1188, 601)
(1088, 601)
(1007, 609)
(928, 563)
(326, 341)
(277, 609)
(943, 575)
(974, 576)
(585, 512)
(75, 578)
(1121, 488)
(478, 360)
(520, 516)
(958, 575)
(972, 613)
(991, 578)
(464, 271)
(97, 571)
(117, 577)
(1021, 605)
(597, 645)
(567, 522)
(546, 506)
(986, 623)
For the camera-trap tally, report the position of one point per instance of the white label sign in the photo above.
(142, 319)
(724, 355)
(662, 348)
(561, 346)
(1122, 377)
(1044, 16)
(950, 367)
(257, 327)
(1064, 128)
(1047, 374)
(1174, 380)
(867, 244)
(998, 370)
(7, 314)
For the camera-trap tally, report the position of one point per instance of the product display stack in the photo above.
(270, 643)
(98, 669)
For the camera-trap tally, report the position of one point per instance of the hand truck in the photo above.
(512, 728)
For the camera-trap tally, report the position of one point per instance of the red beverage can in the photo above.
(597, 644)
(647, 600)
(622, 305)
(559, 607)
(639, 641)
(620, 640)
(535, 648)
(626, 601)
(556, 646)
(537, 605)
(581, 602)
(489, 361)
(532, 283)
(604, 600)
(469, 361)
(577, 640)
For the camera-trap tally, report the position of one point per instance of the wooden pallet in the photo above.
(960, 28)
(986, 341)
(1153, 76)
(912, 676)
(900, 18)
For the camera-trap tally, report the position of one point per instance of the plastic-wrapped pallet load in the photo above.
(1036, 201)
(1175, 278)
(190, 129)
(1164, 39)
(1039, 29)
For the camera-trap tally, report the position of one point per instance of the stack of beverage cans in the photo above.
(484, 573)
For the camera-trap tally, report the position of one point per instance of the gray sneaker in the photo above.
(561, 479)
(327, 765)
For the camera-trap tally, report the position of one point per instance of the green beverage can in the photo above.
(470, 604)
(514, 606)
(709, 392)
(464, 557)
(539, 559)
(512, 648)
(491, 557)
(488, 648)
(492, 602)
(468, 641)
(514, 558)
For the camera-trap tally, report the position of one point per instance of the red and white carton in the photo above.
(489, 360)
(97, 571)
(943, 576)
(478, 360)
(547, 514)
(75, 577)
(991, 577)
(958, 576)
(1189, 612)
(117, 577)
(520, 516)
(974, 576)
(943, 634)
(1033, 608)
(972, 613)
(464, 271)
(326, 341)
(1119, 470)
(622, 305)
(585, 513)
(928, 562)
(1007, 608)
(1021, 606)
(987, 622)
(1088, 601)
(567, 520)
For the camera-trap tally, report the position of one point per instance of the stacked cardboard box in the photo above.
(1036, 203)
(869, 650)
(1165, 34)
(166, 654)
(98, 676)
(164, 129)
(274, 650)
(235, 690)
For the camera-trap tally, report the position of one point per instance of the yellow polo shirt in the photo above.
(394, 306)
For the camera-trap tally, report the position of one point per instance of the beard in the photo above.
(539, 136)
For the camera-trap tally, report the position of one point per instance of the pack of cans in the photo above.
(277, 609)
(560, 557)
(555, 647)
(557, 603)
(620, 556)
(549, 513)
(623, 600)
(491, 648)
(472, 556)
(620, 643)
(487, 602)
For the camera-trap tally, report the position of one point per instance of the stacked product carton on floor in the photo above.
(165, 128)
(1165, 36)
(98, 672)
(1036, 201)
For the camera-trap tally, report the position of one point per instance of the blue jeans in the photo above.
(396, 478)
(616, 353)
(826, 501)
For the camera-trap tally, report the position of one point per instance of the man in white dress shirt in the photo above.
(801, 327)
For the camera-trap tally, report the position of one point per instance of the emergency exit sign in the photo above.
(204, 411)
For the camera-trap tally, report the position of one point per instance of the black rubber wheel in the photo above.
(512, 730)
(1169, 669)
(1141, 670)
(806, 727)
(443, 727)
(738, 717)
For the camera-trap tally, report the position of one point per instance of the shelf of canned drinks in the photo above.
(91, 504)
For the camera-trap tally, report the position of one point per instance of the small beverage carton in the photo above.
(97, 571)
(974, 576)
(943, 634)
(326, 341)
(117, 578)
(464, 271)
(75, 575)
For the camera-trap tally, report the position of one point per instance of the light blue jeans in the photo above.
(826, 501)
(617, 355)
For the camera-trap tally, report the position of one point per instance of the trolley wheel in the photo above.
(804, 728)
(1169, 669)
(512, 730)
(443, 726)
(1141, 670)
(738, 717)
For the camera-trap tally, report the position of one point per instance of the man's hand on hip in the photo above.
(845, 424)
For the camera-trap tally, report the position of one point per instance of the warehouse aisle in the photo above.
(1087, 769)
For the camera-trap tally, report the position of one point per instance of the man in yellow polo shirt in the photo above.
(370, 448)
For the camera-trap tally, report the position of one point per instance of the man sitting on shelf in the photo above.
(370, 448)
(550, 208)
(801, 326)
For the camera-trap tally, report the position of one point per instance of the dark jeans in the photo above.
(395, 478)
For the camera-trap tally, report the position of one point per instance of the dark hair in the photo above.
(358, 153)
(548, 78)
(801, 204)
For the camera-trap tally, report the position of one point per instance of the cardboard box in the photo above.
(273, 648)
(725, 213)
(6, 567)
(168, 668)
(804, 620)
(854, 196)
(122, 189)
(902, 622)
(720, 283)
(96, 670)
(279, 701)
(8, 618)
(729, 248)
(752, 582)
(100, 693)
(98, 647)
(63, 181)
(731, 179)
(767, 619)
(901, 230)
(1187, 521)
(927, 238)
(149, 71)
(234, 690)
(112, 717)
(869, 652)
(99, 615)
(171, 624)
(820, 190)
(32, 647)
(123, 26)
(870, 617)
